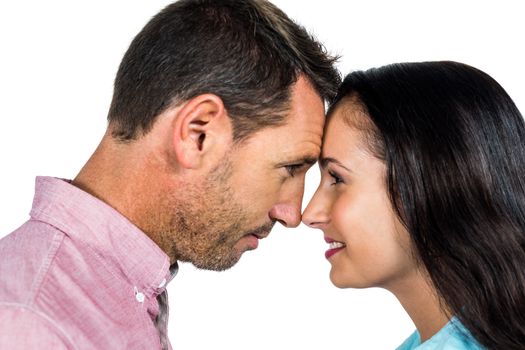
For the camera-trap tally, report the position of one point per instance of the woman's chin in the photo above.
(341, 281)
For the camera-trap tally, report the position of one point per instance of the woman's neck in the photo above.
(422, 304)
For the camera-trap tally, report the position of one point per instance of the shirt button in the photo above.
(140, 297)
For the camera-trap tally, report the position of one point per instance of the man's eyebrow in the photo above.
(306, 160)
(309, 160)
(323, 163)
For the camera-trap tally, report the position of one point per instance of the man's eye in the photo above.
(336, 178)
(292, 169)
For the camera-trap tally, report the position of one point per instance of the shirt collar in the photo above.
(92, 224)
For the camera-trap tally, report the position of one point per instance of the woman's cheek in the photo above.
(342, 214)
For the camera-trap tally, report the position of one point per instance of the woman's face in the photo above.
(369, 245)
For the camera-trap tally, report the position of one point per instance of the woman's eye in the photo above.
(292, 169)
(336, 178)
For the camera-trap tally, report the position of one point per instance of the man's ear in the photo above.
(202, 131)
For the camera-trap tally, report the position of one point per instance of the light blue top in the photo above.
(452, 336)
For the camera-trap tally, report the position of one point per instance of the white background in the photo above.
(57, 64)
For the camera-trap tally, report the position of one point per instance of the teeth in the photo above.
(335, 245)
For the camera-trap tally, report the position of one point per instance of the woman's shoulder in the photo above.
(411, 342)
(452, 336)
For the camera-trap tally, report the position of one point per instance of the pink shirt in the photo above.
(79, 275)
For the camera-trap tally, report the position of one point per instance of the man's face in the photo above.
(260, 181)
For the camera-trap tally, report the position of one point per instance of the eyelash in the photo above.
(337, 179)
(292, 169)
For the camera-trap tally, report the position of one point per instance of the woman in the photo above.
(423, 193)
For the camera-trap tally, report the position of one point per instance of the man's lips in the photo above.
(261, 235)
(254, 236)
(262, 232)
(334, 248)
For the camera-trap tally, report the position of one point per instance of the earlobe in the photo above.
(201, 130)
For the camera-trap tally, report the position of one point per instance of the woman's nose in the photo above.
(316, 213)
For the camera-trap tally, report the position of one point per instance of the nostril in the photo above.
(282, 222)
(312, 224)
(287, 214)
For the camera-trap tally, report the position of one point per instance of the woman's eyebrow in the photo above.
(323, 163)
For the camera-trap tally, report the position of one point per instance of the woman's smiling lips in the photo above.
(335, 247)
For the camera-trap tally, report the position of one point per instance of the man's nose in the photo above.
(288, 214)
(288, 210)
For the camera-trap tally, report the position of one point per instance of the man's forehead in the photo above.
(307, 110)
(305, 132)
(300, 146)
(299, 138)
(302, 137)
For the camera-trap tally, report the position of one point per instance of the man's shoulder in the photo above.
(26, 328)
(60, 285)
(25, 256)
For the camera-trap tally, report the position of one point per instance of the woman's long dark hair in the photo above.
(454, 145)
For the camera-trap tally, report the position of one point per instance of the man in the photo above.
(217, 114)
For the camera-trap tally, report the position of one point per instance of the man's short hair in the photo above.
(247, 52)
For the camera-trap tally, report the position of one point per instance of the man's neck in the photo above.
(105, 178)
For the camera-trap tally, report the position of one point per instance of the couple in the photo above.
(218, 112)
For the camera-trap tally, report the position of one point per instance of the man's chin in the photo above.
(219, 263)
(218, 268)
(221, 259)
